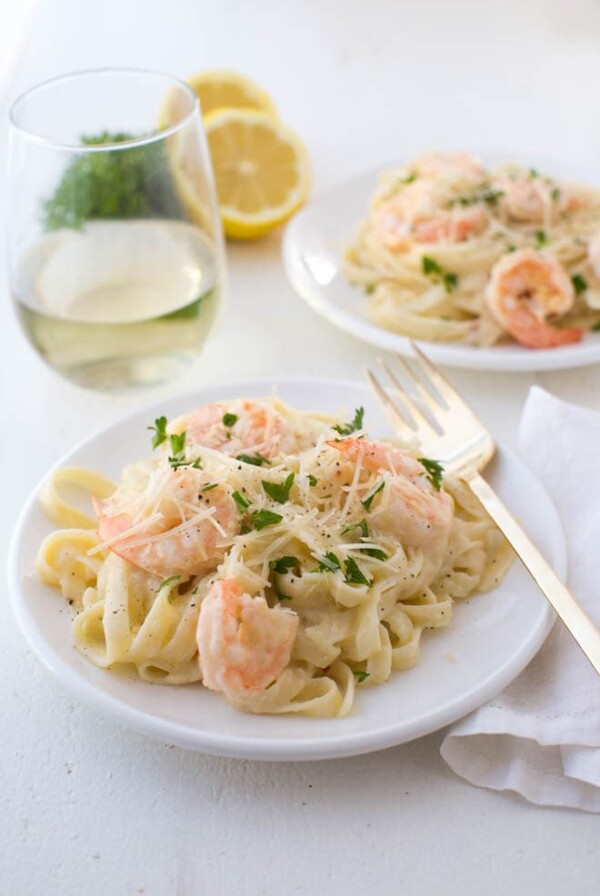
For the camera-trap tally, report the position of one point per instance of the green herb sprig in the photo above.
(437, 273)
(279, 491)
(346, 429)
(434, 471)
(132, 182)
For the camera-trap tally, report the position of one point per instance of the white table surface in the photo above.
(90, 808)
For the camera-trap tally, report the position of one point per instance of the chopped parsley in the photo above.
(312, 480)
(281, 596)
(177, 456)
(360, 675)
(370, 289)
(533, 173)
(257, 460)
(208, 487)
(160, 431)
(434, 471)
(354, 575)
(595, 327)
(345, 429)
(366, 502)
(450, 281)
(407, 178)
(263, 518)
(279, 491)
(229, 419)
(541, 239)
(430, 266)
(284, 564)
(555, 194)
(362, 526)
(377, 553)
(177, 442)
(242, 503)
(329, 563)
(364, 535)
(579, 282)
(436, 273)
(487, 194)
(166, 582)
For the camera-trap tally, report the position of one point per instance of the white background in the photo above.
(89, 808)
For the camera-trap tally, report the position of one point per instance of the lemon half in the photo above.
(221, 88)
(261, 170)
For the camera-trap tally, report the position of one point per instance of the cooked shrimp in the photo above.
(534, 200)
(411, 508)
(417, 214)
(525, 289)
(243, 643)
(174, 529)
(436, 164)
(256, 427)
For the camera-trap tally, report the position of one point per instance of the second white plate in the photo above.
(490, 640)
(313, 246)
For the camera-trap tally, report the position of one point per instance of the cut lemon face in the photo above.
(261, 170)
(225, 89)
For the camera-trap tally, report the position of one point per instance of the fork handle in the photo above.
(580, 626)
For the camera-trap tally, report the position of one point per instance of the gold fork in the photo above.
(446, 429)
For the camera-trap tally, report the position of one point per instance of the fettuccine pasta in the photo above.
(281, 558)
(453, 252)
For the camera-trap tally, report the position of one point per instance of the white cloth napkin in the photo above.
(541, 736)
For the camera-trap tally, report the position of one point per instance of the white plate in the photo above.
(313, 246)
(491, 639)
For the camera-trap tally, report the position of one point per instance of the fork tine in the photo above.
(403, 426)
(439, 381)
(418, 415)
(434, 404)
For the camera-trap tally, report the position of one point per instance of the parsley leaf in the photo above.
(430, 266)
(595, 327)
(160, 431)
(208, 487)
(312, 480)
(370, 289)
(436, 272)
(242, 503)
(257, 460)
(177, 441)
(281, 596)
(329, 563)
(362, 526)
(263, 518)
(450, 281)
(360, 675)
(166, 582)
(345, 429)
(434, 471)
(354, 575)
(486, 194)
(177, 456)
(533, 173)
(541, 239)
(229, 419)
(377, 553)
(284, 564)
(366, 502)
(579, 282)
(555, 194)
(279, 491)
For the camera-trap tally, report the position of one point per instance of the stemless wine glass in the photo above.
(115, 246)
